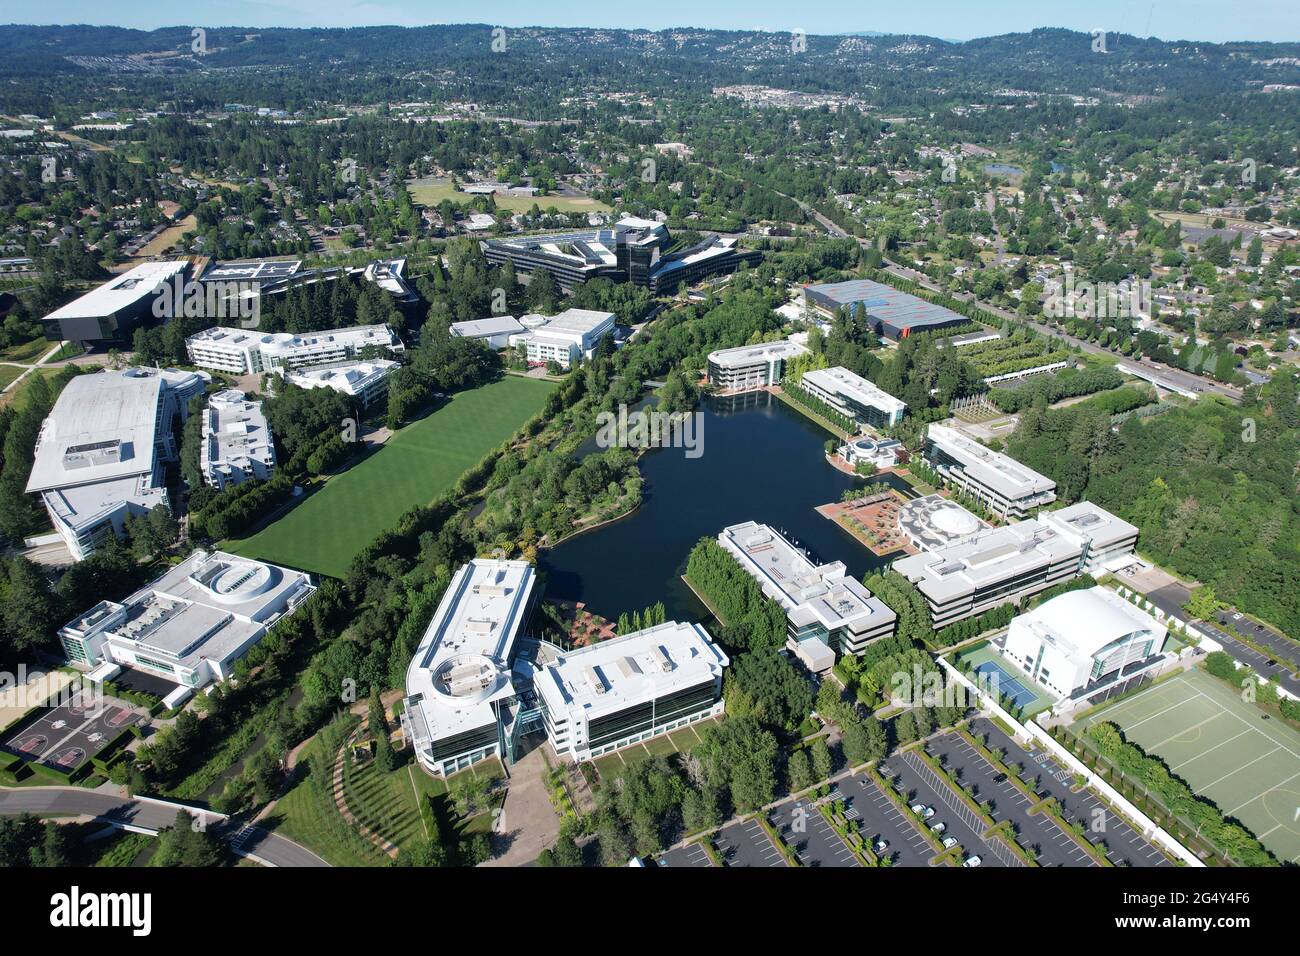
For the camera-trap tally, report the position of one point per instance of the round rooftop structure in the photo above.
(467, 679)
(955, 520)
(934, 521)
(234, 582)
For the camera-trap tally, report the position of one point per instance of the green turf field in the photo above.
(417, 464)
(430, 192)
(1224, 749)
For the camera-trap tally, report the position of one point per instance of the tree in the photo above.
(1202, 604)
(799, 772)
(385, 758)
(187, 842)
(864, 741)
(822, 763)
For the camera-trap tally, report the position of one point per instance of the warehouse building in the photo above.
(890, 313)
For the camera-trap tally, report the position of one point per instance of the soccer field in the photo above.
(420, 462)
(1225, 750)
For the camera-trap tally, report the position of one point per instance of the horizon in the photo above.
(951, 20)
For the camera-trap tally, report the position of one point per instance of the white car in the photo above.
(938, 828)
(972, 861)
(949, 842)
(882, 846)
(928, 812)
(918, 808)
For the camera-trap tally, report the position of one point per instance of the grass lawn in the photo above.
(8, 373)
(417, 464)
(430, 192)
(27, 352)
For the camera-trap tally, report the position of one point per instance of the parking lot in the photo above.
(804, 830)
(690, 855)
(1037, 831)
(958, 820)
(747, 844)
(1124, 844)
(880, 820)
(72, 733)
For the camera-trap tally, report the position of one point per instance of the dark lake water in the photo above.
(761, 460)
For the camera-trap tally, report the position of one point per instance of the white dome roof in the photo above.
(955, 521)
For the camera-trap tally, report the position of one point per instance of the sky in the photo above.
(1213, 20)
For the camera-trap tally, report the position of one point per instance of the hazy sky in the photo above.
(1215, 20)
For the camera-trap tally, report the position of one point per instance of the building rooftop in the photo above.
(992, 469)
(343, 376)
(743, 355)
(235, 432)
(855, 387)
(616, 674)
(884, 303)
(462, 664)
(253, 270)
(481, 328)
(122, 291)
(1081, 623)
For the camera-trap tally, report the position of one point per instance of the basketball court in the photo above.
(1224, 748)
(72, 733)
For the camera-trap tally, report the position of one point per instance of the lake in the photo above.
(761, 460)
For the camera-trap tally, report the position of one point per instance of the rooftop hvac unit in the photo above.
(594, 679)
(478, 626)
(661, 657)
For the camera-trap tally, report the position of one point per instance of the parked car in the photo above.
(918, 808)
(949, 842)
(972, 861)
(881, 845)
(938, 828)
(928, 812)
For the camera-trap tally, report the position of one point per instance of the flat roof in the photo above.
(235, 431)
(891, 306)
(1082, 623)
(121, 292)
(613, 675)
(492, 325)
(992, 469)
(1092, 522)
(342, 376)
(208, 606)
(282, 343)
(803, 589)
(839, 380)
(251, 270)
(101, 427)
(743, 355)
(462, 663)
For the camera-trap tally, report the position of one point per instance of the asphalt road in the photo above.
(75, 801)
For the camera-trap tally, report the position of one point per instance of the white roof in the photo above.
(481, 328)
(743, 355)
(346, 377)
(991, 469)
(613, 675)
(101, 427)
(235, 431)
(122, 291)
(840, 381)
(462, 663)
(1084, 622)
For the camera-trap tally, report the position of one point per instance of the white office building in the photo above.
(101, 452)
(461, 702)
(564, 338)
(619, 692)
(752, 366)
(1080, 639)
(994, 566)
(1006, 487)
(494, 331)
(854, 396)
(822, 602)
(247, 351)
(192, 624)
(237, 445)
(366, 381)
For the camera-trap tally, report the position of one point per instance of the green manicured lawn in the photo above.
(417, 464)
(26, 352)
(432, 192)
(8, 373)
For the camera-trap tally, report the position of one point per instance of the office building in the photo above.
(890, 313)
(931, 522)
(190, 625)
(101, 452)
(461, 703)
(853, 396)
(259, 278)
(994, 566)
(630, 251)
(564, 338)
(822, 602)
(1006, 487)
(366, 381)
(245, 352)
(615, 693)
(877, 452)
(494, 331)
(1080, 639)
(110, 314)
(237, 445)
(752, 366)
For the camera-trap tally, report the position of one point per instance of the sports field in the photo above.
(431, 191)
(420, 462)
(1225, 750)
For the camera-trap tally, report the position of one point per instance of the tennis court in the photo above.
(1001, 678)
(1224, 748)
